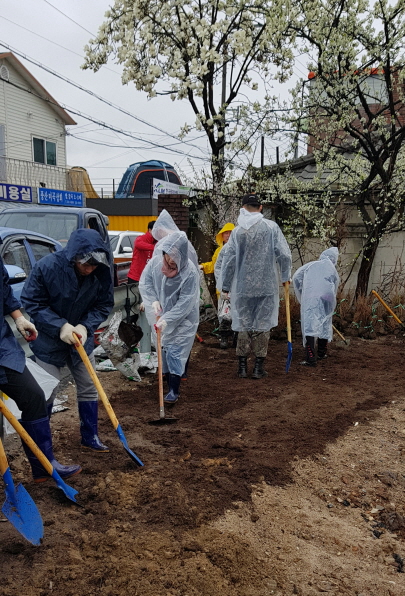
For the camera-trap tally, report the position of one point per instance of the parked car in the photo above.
(122, 244)
(20, 250)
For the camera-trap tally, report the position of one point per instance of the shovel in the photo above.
(385, 305)
(287, 314)
(104, 399)
(68, 490)
(163, 419)
(19, 508)
(346, 341)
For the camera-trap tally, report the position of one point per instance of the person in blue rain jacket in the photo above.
(71, 291)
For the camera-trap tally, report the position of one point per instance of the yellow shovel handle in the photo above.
(287, 308)
(95, 379)
(385, 305)
(339, 334)
(3, 459)
(26, 438)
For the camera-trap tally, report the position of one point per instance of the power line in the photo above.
(70, 19)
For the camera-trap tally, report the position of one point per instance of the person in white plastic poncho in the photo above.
(315, 285)
(170, 290)
(164, 225)
(254, 251)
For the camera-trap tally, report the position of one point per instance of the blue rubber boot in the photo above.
(40, 433)
(174, 386)
(88, 414)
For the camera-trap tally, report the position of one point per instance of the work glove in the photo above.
(26, 328)
(66, 333)
(81, 332)
(161, 324)
(225, 295)
(141, 307)
(156, 307)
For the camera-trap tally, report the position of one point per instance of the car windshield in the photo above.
(113, 241)
(50, 224)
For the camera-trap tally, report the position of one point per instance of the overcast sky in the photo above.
(53, 33)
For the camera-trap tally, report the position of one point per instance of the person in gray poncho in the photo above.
(170, 290)
(315, 285)
(254, 253)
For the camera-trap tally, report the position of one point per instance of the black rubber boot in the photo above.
(88, 414)
(174, 386)
(223, 340)
(40, 432)
(234, 339)
(310, 357)
(322, 348)
(258, 371)
(184, 376)
(242, 370)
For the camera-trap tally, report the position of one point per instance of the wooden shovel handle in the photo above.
(287, 308)
(385, 305)
(339, 334)
(95, 379)
(160, 369)
(26, 438)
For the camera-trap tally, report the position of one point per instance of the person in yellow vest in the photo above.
(221, 238)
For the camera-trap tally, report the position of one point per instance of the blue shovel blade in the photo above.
(124, 441)
(289, 357)
(68, 490)
(21, 511)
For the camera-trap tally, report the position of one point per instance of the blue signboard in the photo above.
(65, 198)
(15, 193)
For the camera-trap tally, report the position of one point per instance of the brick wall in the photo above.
(178, 211)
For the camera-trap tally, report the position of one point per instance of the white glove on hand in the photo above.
(26, 328)
(156, 307)
(161, 324)
(141, 307)
(66, 332)
(82, 331)
(225, 295)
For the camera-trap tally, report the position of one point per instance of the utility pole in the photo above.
(277, 155)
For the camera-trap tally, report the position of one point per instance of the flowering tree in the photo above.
(212, 53)
(353, 109)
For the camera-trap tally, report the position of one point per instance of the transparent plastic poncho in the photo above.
(178, 296)
(315, 286)
(164, 225)
(254, 252)
(218, 268)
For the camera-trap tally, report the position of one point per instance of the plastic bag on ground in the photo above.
(121, 355)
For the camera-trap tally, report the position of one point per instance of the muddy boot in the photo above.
(174, 386)
(88, 414)
(310, 358)
(40, 432)
(322, 348)
(258, 371)
(242, 370)
(223, 340)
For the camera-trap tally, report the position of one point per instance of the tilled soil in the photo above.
(292, 484)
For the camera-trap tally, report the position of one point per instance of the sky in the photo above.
(53, 33)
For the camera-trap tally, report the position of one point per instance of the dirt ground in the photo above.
(292, 484)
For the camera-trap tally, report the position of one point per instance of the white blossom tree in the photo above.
(215, 54)
(354, 111)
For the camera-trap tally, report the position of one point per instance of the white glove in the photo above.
(26, 328)
(141, 307)
(82, 331)
(201, 267)
(225, 295)
(156, 307)
(66, 332)
(161, 324)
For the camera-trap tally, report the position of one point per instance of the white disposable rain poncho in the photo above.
(249, 271)
(178, 297)
(315, 285)
(163, 226)
(218, 267)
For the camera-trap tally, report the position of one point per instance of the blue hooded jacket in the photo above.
(11, 354)
(53, 296)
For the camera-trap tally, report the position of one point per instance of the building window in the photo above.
(44, 151)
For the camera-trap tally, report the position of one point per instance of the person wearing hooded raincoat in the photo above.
(164, 225)
(214, 266)
(71, 291)
(315, 285)
(17, 382)
(170, 290)
(255, 250)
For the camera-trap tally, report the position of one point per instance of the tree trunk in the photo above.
(366, 265)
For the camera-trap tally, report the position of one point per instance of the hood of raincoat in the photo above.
(247, 219)
(84, 241)
(176, 246)
(228, 227)
(330, 253)
(164, 225)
